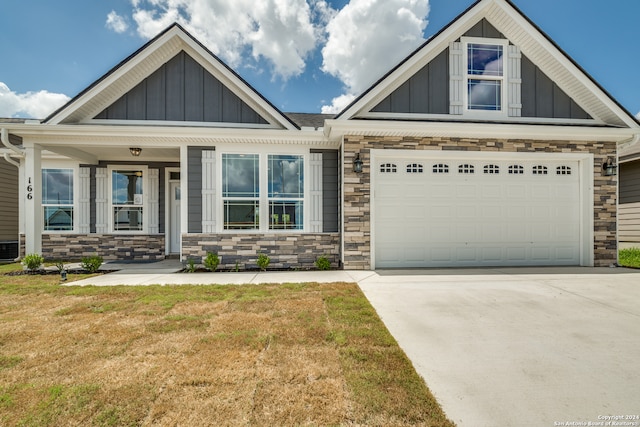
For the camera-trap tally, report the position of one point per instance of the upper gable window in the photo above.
(485, 75)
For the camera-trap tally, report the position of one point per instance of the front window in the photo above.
(286, 192)
(57, 199)
(241, 191)
(248, 190)
(127, 199)
(485, 74)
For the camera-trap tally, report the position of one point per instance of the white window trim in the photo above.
(145, 197)
(263, 152)
(76, 194)
(504, 79)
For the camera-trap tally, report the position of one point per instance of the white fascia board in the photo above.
(542, 42)
(336, 129)
(123, 70)
(164, 136)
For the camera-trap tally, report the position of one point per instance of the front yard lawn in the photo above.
(293, 354)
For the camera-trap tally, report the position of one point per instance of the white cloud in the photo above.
(338, 104)
(359, 43)
(281, 31)
(29, 105)
(116, 22)
(368, 37)
(638, 115)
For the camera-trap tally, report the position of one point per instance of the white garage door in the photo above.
(447, 212)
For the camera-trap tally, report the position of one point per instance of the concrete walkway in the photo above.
(166, 273)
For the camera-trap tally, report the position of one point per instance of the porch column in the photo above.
(32, 196)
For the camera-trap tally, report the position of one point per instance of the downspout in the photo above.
(4, 136)
(9, 160)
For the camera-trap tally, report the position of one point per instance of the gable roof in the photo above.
(148, 59)
(533, 42)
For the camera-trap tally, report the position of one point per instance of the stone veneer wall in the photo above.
(357, 187)
(109, 246)
(287, 251)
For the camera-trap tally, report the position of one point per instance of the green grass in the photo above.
(630, 257)
(247, 347)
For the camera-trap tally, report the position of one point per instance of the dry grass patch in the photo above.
(201, 355)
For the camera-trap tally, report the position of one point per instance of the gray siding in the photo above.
(330, 190)
(8, 202)
(181, 90)
(629, 176)
(542, 98)
(484, 29)
(426, 92)
(194, 177)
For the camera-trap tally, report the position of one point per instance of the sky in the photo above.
(308, 56)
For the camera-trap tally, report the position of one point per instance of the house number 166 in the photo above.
(29, 190)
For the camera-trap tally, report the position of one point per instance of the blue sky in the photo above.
(52, 50)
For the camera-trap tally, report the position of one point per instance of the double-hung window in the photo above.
(262, 191)
(241, 191)
(57, 199)
(127, 199)
(485, 74)
(286, 192)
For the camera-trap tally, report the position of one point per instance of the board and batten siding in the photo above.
(629, 204)
(8, 202)
(194, 177)
(182, 90)
(426, 92)
(438, 88)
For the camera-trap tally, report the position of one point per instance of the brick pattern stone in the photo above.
(286, 251)
(357, 187)
(109, 246)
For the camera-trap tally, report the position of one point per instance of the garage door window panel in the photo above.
(388, 168)
(441, 168)
(466, 169)
(415, 168)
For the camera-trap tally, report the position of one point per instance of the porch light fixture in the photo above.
(609, 167)
(357, 164)
(135, 151)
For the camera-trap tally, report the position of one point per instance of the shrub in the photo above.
(630, 257)
(212, 261)
(33, 262)
(263, 261)
(92, 263)
(191, 266)
(323, 263)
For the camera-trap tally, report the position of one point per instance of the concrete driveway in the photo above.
(520, 347)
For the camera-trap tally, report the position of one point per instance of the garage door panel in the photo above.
(466, 219)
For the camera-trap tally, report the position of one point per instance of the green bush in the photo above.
(323, 263)
(630, 257)
(263, 261)
(191, 266)
(33, 262)
(92, 263)
(212, 261)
